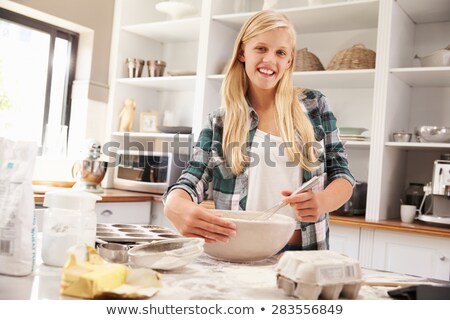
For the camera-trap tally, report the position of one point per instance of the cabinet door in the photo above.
(345, 240)
(123, 212)
(412, 254)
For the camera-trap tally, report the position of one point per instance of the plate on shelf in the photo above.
(351, 130)
(176, 73)
(175, 129)
(353, 137)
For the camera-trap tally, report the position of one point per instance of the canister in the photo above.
(69, 220)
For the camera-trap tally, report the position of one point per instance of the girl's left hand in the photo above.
(306, 205)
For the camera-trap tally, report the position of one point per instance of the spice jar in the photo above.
(414, 194)
(69, 220)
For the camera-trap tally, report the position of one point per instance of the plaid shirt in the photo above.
(230, 192)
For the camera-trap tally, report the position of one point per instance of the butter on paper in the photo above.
(95, 278)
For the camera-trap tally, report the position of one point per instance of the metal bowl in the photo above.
(402, 136)
(432, 134)
(113, 252)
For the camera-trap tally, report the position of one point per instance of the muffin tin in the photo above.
(132, 233)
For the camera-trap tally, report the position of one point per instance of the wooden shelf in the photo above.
(424, 77)
(168, 31)
(322, 18)
(328, 79)
(180, 83)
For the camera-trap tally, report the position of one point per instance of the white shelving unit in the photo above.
(397, 95)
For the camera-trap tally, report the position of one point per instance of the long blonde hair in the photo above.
(294, 124)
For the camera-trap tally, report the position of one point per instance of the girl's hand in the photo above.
(310, 205)
(192, 220)
(306, 205)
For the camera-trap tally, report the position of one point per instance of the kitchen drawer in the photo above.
(123, 212)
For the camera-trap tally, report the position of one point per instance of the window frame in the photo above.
(54, 32)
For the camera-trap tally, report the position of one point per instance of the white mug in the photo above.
(407, 213)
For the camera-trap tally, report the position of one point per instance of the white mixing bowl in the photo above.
(255, 239)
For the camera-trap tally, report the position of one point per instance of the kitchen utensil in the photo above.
(89, 172)
(402, 136)
(175, 9)
(271, 211)
(255, 239)
(433, 134)
(135, 67)
(166, 254)
(113, 252)
(439, 58)
(133, 233)
(156, 68)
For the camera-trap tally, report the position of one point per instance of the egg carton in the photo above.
(318, 274)
(132, 233)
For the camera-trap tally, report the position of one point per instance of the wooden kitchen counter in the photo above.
(109, 195)
(417, 227)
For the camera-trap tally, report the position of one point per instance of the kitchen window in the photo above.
(37, 69)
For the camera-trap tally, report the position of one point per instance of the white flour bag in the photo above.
(17, 220)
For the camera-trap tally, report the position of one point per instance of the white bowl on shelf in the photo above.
(175, 10)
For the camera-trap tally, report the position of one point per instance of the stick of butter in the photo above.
(91, 277)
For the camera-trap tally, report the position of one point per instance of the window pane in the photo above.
(59, 75)
(23, 77)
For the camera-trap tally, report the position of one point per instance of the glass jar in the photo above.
(69, 220)
(414, 194)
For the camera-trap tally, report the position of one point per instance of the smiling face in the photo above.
(266, 57)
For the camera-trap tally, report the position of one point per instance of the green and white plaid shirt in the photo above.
(230, 192)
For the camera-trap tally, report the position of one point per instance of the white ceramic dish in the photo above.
(439, 58)
(351, 131)
(175, 10)
(255, 239)
(166, 254)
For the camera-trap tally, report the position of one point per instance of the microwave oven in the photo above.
(148, 171)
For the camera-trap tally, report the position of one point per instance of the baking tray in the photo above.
(132, 233)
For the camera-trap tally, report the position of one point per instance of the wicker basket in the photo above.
(356, 57)
(307, 61)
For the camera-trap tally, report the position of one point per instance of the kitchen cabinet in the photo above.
(345, 240)
(424, 256)
(397, 95)
(123, 212)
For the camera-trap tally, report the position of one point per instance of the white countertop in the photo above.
(205, 278)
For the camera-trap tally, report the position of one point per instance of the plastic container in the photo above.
(69, 220)
(414, 194)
